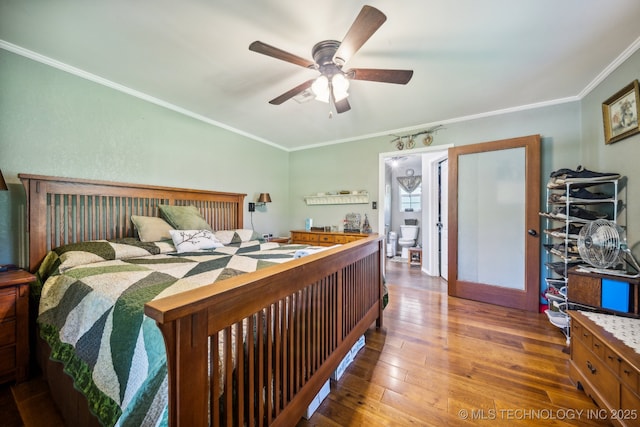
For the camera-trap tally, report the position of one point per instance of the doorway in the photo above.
(430, 232)
(443, 218)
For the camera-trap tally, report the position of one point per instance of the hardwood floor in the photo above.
(437, 361)
(447, 361)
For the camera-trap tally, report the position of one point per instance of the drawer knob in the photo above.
(591, 367)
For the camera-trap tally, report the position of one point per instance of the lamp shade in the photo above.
(264, 198)
(3, 185)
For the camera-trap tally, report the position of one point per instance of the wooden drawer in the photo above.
(596, 372)
(598, 348)
(581, 333)
(342, 239)
(576, 329)
(7, 359)
(326, 239)
(629, 376)
(323, 238)
(7, 303)
(304, 238)
(7, 333)
(612, 360)
(584, 290)
(14, 325)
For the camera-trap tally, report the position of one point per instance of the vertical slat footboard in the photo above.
(272, 338)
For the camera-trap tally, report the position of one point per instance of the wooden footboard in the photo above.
(298, 320)
(293, 323)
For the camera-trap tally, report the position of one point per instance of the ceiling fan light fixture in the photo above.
(340, 86)
(321, 88)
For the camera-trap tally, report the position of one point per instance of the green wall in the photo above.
(572, 135)
(622, 156)
(354, 166)
(55, 123)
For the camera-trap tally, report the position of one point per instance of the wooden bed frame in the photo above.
(303, 316)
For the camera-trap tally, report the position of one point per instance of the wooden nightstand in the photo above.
(14, 325)
(279, 239)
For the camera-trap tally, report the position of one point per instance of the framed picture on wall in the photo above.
(620, 114)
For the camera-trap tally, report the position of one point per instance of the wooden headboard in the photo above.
(67, 210)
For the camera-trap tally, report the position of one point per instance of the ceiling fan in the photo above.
(329, 58)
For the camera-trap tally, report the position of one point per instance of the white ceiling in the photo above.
(470, 57)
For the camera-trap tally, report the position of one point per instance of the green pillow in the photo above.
(151, 228)
(184, 217)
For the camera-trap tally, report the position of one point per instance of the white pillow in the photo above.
(194, 240)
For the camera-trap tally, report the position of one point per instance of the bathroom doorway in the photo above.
(396, 206)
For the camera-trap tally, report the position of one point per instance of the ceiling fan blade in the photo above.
(291, 93)
(342, 105)
(367, 22)
(401, 77)
(274, 52)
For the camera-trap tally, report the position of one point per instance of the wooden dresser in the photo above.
(14, 325)
(324, 238)
(607, 369)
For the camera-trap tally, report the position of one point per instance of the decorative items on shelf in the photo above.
(366, 227)
(343, 197)
(352, 223)
(409, 141)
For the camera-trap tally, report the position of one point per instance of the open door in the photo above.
(494, 200)
(443, 218)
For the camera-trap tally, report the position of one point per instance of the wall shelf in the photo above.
(338, 199)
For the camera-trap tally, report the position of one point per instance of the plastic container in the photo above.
(392, 242)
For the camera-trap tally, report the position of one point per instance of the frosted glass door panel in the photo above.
(491, 217)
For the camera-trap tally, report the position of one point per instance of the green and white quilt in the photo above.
(91, 314)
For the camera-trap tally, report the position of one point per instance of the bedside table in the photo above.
(14, 325)
(279, 239)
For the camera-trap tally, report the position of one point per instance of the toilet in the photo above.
(408, 236)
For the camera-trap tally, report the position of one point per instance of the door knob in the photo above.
(532, 232)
